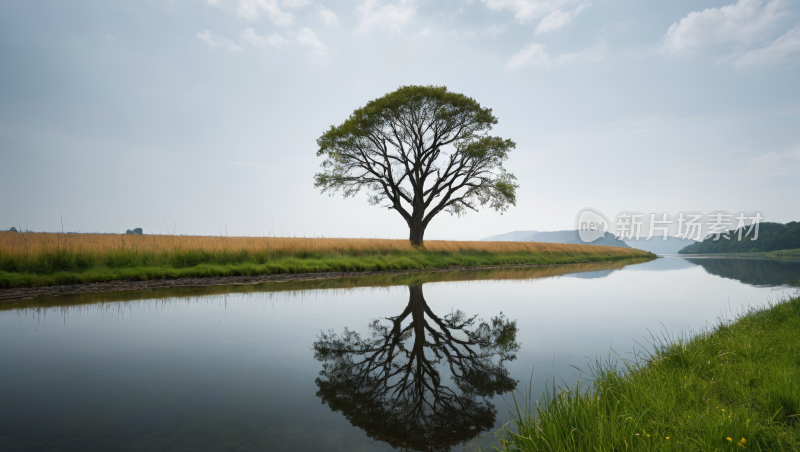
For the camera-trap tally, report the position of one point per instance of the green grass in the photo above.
(61, 267)
(739, 380)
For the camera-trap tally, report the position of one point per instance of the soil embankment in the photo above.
(24, 293)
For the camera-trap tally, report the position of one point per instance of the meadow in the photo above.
(731, 387)
(44, 259)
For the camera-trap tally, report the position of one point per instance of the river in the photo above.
(416, 362)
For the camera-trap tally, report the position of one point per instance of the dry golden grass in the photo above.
(36, 243)
(42, 259)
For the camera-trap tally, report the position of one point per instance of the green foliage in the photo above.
(137, 231)
(771, 237)
(61, 266)
(734, 387)
(422, 150)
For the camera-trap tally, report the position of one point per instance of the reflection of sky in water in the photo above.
(236, 371)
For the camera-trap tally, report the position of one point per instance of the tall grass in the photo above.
(733, 387)
(47, 259)
(36, 244)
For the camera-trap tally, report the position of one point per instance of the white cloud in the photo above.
(423, 33)
(745, 22)
(527, 10)
(388, 17)
(535, 55)
(494, 30)
(110, 38)
(295, 3)
(784, 50)
(210, 38)
(253, 10)
(530, 55)
(215, 41)
(327, 16)
(776, 162)
(274, 40)
(558, 19)
(595, 53)
(319, 51)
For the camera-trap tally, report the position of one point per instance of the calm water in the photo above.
(416, 362)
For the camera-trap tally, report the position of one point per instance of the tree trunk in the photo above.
(416, 233)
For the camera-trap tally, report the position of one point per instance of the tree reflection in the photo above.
(389, 383)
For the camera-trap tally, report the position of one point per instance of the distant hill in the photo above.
(658, 245)
(655, 245)
(771, 237)
(516, 236)
(573, 237)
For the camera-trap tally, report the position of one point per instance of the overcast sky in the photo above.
(204, 114)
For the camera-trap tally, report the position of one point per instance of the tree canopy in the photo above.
(420, 150)
(771, 237)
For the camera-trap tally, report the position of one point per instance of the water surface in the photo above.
(416, 362)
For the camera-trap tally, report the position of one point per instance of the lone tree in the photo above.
(420, 150)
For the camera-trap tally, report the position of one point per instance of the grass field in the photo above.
(733, 387)
(42, 259)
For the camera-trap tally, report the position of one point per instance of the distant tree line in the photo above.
(771, 237)
(136, 231)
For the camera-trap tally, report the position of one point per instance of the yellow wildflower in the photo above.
(743, 441)
(729, 438)
(668, 437)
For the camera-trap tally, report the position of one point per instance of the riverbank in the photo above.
(42, 260)
(735, 386)
(126, 290)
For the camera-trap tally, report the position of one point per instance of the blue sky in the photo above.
(204, 114)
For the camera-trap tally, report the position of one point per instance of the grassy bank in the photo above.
(733, 387)
(35, 260)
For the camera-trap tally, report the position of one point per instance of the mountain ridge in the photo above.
(655, 245)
